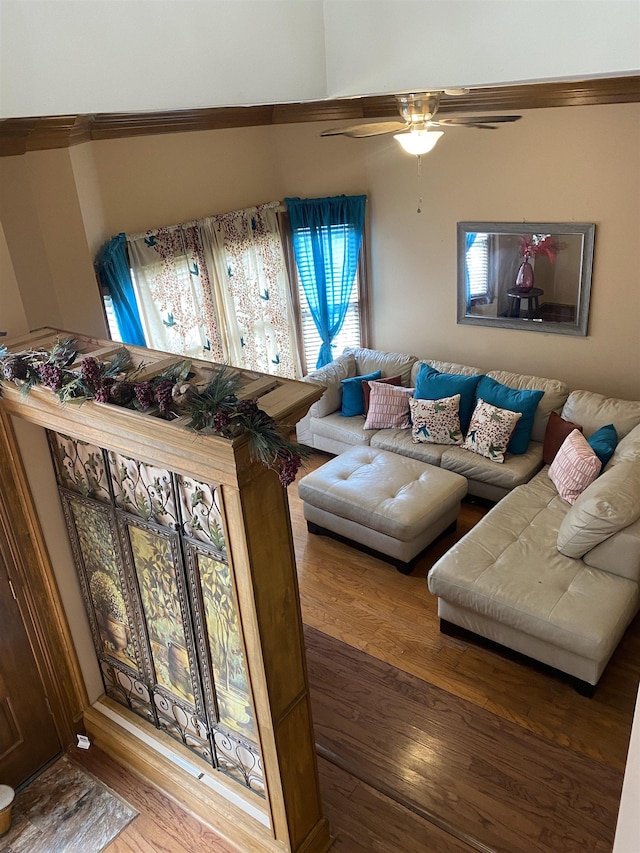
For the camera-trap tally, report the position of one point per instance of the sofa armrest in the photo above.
(619, 554)
(331, 376)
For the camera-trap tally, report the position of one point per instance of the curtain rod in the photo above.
(277, 206)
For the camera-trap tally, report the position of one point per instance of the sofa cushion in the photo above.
(524, 401)
(388, 363)
(557, 430)
(431, 384)
(593, 410)
(342, 430)
(575, 467)
(555, 395)
(608, 505)
(515, 470)
(366, 388)
(490, 430)
(352, 395)
(436, 421)
(331, 376)
(603, 442)
(388, 406)
(444, 367)
(628, 448)
(400, 441)
(497, 570)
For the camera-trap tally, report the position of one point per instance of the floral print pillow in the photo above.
(490, 430)
(436, 421)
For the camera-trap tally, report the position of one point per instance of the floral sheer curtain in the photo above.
(218, 289)
(253, 293)
(175, 298)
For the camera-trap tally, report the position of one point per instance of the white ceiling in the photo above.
(61, 57)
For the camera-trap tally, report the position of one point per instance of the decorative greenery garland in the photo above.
(213, 409)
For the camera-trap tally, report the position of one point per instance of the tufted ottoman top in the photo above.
(384, 491)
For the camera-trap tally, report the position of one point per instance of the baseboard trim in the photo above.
(227, 820)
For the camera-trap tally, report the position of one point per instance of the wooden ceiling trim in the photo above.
(18, 135)
(116, 125)
(14, 135)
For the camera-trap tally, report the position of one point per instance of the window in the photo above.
(112, 323)
(354, 332)
(326, 265)
(350, 334)
(478, 267)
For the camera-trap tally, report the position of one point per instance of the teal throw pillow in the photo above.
(433, 385)
(523, 401)
(603, 442)
(352, 399)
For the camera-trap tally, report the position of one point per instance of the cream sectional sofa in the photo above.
(324, 428)
(555, 582)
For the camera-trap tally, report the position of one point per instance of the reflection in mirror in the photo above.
(534, 276)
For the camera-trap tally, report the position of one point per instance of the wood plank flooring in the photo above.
(369, 605)
(484, 778)
(438, 746)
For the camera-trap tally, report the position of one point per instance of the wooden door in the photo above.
(28, 736)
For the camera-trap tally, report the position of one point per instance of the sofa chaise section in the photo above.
(556, 582)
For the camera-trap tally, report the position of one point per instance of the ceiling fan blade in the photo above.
(484, 122)
(358, 131)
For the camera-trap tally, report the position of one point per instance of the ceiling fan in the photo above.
(419, 130)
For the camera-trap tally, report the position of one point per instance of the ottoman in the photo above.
(389, 505)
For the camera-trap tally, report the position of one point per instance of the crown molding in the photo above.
(20, 135)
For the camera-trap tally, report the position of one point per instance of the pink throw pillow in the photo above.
(366, 388)
(388, 406)
(575, 467)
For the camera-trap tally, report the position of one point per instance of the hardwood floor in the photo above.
(438, 745)
(372, 607)
(486, 781)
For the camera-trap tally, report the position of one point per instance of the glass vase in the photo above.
(524, 277)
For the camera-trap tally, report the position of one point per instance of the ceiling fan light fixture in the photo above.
(418, 142)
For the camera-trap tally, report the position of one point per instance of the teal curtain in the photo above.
(469, 241)
(326, 236)
(112, 269)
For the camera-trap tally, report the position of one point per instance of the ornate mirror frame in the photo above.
(490, 255)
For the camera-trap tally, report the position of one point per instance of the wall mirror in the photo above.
(525, 275)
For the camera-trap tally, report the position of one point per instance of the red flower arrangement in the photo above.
(532, 245)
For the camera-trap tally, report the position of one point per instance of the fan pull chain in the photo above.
(419, 210)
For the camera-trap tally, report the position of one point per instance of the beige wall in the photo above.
(43, 225)
(152, 181)
(13, 320)
(574, 164)
(559, 165)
